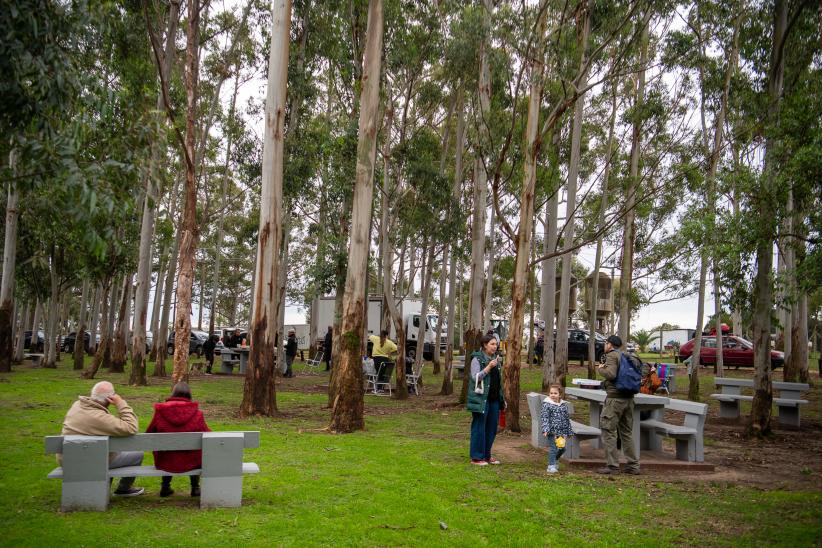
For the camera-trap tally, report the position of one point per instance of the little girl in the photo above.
(556, 426)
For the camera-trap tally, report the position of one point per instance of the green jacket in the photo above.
(476, 402)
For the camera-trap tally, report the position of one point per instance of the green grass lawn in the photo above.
(393, 484)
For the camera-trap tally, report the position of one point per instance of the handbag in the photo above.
(480, 387)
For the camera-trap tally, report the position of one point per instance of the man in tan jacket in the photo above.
(89, 416)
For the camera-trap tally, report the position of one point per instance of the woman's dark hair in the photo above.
(384, 334)
(486, 339)
(181, 390)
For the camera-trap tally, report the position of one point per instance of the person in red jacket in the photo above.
(178, 414)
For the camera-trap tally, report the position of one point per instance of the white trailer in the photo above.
(671, 337)
(322, 316)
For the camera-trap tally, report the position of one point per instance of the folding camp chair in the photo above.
(412, 380)
(314, 364)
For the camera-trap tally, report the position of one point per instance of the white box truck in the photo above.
(321, 314)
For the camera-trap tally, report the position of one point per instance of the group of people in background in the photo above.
(486, 401)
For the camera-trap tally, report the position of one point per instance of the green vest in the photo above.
(476, 402)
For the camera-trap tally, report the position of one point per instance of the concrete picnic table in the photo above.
(244, 352)
(596, 400)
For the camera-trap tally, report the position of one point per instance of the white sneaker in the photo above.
(552, 470)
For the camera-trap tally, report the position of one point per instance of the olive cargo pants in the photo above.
(618, 419)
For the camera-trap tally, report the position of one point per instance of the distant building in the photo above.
(605, 301)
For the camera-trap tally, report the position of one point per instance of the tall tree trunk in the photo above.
(93, 319)
(425, 292)
(629, 230)
(473, 328)
(259, 392)
(25, 321)
(347, 410)
(489, 276)
(35, 326)
(570, 207)
(511, 371)
(389, 299)
(218, 250)
(80, 340)
(7, 285)
(281, 283)
(549, 290)
(448, 375)
(603, 208)
(161, 337)
(118, 352)
(440, 311)
(110, 319)
(760, 419)
(189, 228)
(49, 360)
(152, 192)
(103, 347)
(155, 311)
(693, 384)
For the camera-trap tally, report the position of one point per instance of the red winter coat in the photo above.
(178, 415)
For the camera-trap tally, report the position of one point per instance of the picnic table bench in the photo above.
(787, 402)
(688, 435)
(86, 475)
(581, 431)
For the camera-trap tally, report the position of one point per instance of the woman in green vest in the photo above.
(485, 400)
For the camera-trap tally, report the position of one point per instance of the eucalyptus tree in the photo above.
(152, 191)
(259, 396)
(347, 410)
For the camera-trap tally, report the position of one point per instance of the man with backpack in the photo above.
(622, 380)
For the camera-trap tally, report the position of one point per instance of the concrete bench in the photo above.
(86, 475)
(581, 431)
(787, 400)
(688, 435)
(228, 359)
(35, 358)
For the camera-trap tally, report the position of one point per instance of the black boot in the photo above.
(195, 486)
(165, 488)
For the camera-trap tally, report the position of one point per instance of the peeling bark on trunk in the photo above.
(347, 410)
(489, 279)
(511, 371)
(189, 229)
(259, 392)
(473, 332)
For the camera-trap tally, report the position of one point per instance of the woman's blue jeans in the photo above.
(554, 453)
(484, 430)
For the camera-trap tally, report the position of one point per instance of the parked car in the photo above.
(578, 345)
(69, 340)
(736, 352)
(41, 338)
(195, 342)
